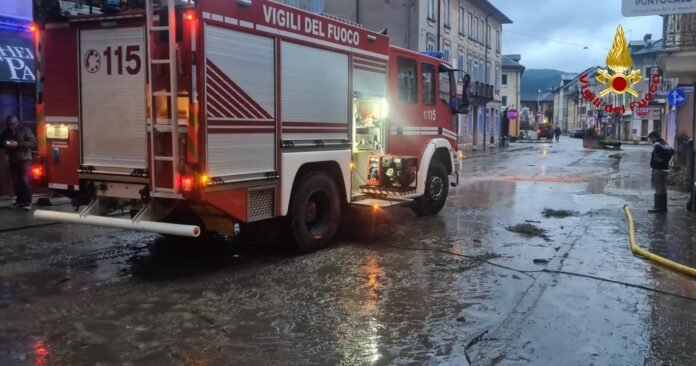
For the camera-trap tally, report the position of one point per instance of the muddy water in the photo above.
(391, 290)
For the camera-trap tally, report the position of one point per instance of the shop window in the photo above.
(408, 90)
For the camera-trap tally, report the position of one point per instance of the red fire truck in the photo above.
(200, 115)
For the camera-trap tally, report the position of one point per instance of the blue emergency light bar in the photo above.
(437, 54)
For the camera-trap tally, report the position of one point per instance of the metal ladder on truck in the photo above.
(164, 151)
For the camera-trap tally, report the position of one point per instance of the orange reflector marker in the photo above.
(189, 16)
(375, 207)
(186, 183)
(204, 180)
(37, 171)
(33, 27)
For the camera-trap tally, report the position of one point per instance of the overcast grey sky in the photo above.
(567, 26)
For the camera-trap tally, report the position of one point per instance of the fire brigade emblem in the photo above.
(92, 61)
(619, 62)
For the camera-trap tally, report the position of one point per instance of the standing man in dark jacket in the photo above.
(557, 132)
(659, 162)
(18, 141)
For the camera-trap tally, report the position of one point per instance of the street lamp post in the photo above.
(538, 106)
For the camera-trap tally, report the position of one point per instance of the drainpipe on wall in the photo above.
(408, 26)
(693, 155)
(485, 67)
(438, 24)
(357, 11)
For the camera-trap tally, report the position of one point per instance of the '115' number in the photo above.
(133, 62)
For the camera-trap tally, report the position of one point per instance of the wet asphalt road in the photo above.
(391, 290)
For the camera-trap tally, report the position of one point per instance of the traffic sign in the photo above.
(676, 97)
(513, 114)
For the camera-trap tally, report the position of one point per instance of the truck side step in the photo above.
(387, 191)
(381, 202)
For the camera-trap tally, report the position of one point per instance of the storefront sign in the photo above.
(16, 59)
(637, 8)
(513, 114)
(642, 111)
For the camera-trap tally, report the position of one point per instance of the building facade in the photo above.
(17, 74)
(656, 116)
(467, 32)
(510, 82)
(678, 62)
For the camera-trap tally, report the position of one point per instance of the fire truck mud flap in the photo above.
(454, 179)
(164, 228)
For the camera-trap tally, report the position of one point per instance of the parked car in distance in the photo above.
(578, 133)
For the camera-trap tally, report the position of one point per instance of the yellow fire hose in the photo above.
(653, 257)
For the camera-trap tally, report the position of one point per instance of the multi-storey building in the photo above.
(17, 75)
(654, 117)
(560, 113)
(572, 111)
(510, 83)
(678, 60)
(468, 32)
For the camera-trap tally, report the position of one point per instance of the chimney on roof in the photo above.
(647, 39)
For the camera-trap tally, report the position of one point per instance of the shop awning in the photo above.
(16, 58)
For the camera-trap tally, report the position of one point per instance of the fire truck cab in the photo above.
(199, 115)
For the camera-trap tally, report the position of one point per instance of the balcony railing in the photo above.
(481, 90)
(680, 31)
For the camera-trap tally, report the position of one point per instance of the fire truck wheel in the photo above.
(436, 191)
(314, 211)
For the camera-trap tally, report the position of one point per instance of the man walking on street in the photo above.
(659, 162)
(557, 132)
(18, 141)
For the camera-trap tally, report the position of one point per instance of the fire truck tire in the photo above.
(436, 191)
(315, 210)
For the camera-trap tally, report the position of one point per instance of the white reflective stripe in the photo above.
(232, 21)
(314, 128)
(206, 15)
(263, 28)
(411, 131)
(218, 17)
(239, 119)
(239, 127)
(246, 24)
(58, 119)
(379, 64)
(57, 186)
